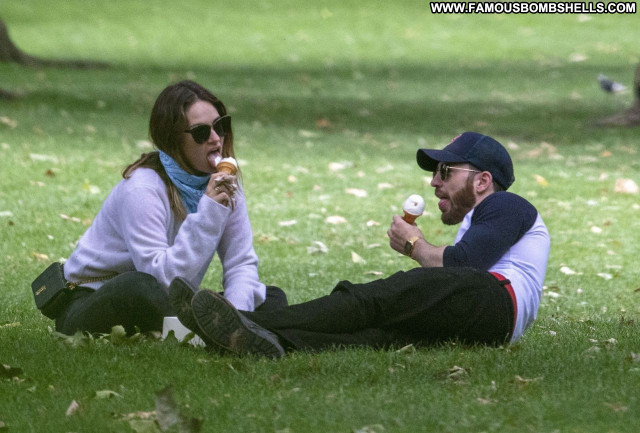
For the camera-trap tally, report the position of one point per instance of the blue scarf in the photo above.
(191, 187)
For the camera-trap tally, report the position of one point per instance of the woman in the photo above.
(167, 218)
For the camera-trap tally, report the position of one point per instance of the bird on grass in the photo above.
(609, 85)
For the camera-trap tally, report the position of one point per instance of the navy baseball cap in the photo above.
(479, 150)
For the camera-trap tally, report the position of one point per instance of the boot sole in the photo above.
(229, 329)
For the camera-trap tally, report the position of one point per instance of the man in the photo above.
(484, 289)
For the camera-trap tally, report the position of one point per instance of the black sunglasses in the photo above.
(443, 170)
(201, 133)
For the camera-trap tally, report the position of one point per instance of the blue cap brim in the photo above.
(428, 159)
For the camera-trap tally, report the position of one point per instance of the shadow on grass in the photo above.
(521, 101)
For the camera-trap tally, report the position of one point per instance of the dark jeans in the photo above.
(133, 300)
(422, 306)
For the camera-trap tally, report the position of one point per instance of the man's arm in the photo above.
(426, 254)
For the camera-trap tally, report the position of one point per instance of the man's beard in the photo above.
(461, 203)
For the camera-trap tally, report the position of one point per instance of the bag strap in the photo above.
(73, 284)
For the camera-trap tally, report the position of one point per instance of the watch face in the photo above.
(407, 248)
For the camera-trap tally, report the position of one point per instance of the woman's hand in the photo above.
(222, 188)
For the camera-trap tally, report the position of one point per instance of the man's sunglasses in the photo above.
(201, 133)
(443, 170)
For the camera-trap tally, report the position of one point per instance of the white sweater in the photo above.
(135, 230)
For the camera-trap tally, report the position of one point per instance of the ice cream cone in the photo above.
(409, 218)
(413, 208)
(227, 165)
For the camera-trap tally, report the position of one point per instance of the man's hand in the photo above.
(400, 232)
(423, 252)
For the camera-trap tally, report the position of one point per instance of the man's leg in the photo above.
(133, 300)
(427, 305)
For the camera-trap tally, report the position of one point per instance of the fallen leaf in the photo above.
(317, 247)
(106, 394)
(577, 57)
(292, 179)
(144, 426)
(42, 157)
(372, 223)
(10, 325)
(287, 223)
(11, 123)
(374, 428)
(376, 273)
(73, 408)
(168, 414)
(485, 400)
(606, 154)
(457, 373)
(595, 229)
(144, 144)
(8, 372)
(626, 186)
(541, 180)
(567, 271)
(384, 169)
(6, 213)
(385, 185)
(355, 258)
(323, 123)
(50, 173)
(605, 276)
(524, 381)
(338, 166)
(357, 192)
(306, 134)
(40, 257)
(616, 407)
(335, 219)
(635, 357)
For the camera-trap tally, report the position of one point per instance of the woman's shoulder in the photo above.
(143, 177)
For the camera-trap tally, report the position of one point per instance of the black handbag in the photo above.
(52, 292)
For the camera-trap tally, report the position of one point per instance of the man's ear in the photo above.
(484, 182)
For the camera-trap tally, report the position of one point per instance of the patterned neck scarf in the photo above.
(191, 187)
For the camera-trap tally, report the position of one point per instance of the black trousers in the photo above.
(133, 300)
(422, 306)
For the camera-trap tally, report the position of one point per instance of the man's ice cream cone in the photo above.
(227, 165)
(413, 208)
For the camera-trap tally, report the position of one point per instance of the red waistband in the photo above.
(512, 294)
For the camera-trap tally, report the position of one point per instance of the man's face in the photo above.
(456, 192)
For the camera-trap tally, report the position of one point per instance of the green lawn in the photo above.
(327, 98)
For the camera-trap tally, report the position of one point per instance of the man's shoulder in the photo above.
(508, 201)
(506, 208)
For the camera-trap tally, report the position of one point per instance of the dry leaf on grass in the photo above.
(317, 247)
(357, 192)
(626, 186)
(355, 258)
(287, 223)
(335, 219)
(524, 381)
(73, 408)
(540, 180)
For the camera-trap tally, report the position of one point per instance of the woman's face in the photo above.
(202, 156)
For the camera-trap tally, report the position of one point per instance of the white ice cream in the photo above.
(414, 205)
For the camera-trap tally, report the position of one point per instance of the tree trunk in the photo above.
(9, 52)
(630, 116)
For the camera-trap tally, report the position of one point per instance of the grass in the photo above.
(309, 85)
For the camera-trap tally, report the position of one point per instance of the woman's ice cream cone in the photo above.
(227, 165)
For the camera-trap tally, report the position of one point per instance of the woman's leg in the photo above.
(134, 300)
